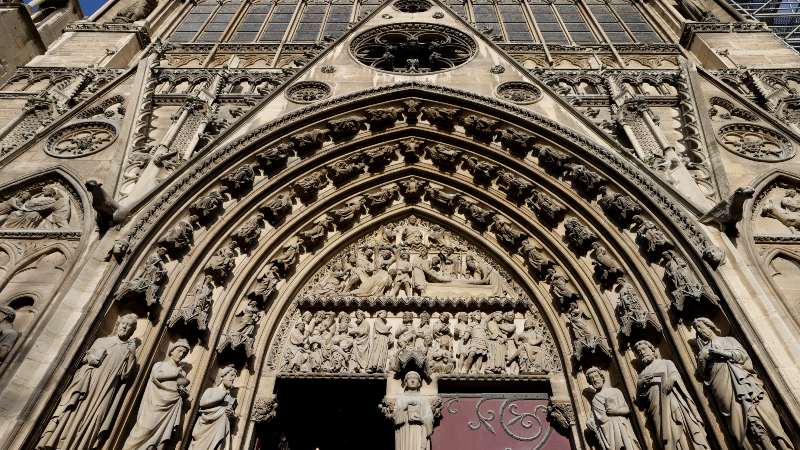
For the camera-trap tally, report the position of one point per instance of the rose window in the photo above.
(413, 48)
(81, 139)
(755, 142)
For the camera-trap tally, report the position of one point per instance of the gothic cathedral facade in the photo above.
(408, 224)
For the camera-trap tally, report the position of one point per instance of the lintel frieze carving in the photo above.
(141, 31)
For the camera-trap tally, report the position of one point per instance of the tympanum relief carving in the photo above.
(42, 206)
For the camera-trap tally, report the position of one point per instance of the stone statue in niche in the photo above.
(381, 343)
(242, 329)
(650, 237)
(537, 261)
(586, 336)
(161, 408)
(278, 207)
(212, 431)
(737, 389)
(313, 236)
(346, 215)
(669, 405)
(517, 188)
(178, 238)
(787, 213)
(412, 414)
(360, 331)
(87, 409)
(267, 284)
(631, 311)
(148, 283)
(8, 335)
(222, 262)
(606, 267)
(412, 189)
(609, 420)
(49, 209)
(343, 170)
(683, 285)
(195, 314)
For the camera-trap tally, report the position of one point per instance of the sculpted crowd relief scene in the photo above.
(412, 258)
(47, 207)
(780, 211)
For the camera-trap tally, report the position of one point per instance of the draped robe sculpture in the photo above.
(677, 422)
(737, 390)
(412, 415)
(212, 431)
(609, 419)
(162, 402)
(86, 412)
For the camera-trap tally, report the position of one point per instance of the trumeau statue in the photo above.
(609, 420)
(212, 431)
(412, 414)
(737, 390)
(677, 422)
(89, 405)
(8, 335)
(161, 407)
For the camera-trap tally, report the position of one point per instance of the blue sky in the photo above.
(90, 6)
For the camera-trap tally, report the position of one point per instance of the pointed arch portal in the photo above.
(420, 228)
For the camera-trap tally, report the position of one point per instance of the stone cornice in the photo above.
(141, 31)
(690, 29)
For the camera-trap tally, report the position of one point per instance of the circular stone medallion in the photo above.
(81, 139)
(519, 92)
(413, 48)
(308, 91)
(412, 6)
(755, 142)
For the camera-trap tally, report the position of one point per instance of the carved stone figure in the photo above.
(274, 159)
(286, 259)
(482, 172)
(586, 337)
(308, 187)
(412, 150)
(609, 420)
(554, 161)
(537, 261)
(507, 233)
(547, 209)
(87, 409)
(242, 330)
(312, 237)
(241, 179)
(161, 408)
(360, 332)
(620, 207)
(267, 284)
(136, 10)
(606, 267)
(212, 431)
(180, 237)
(8, 335)
(343, 170)
(445, 201)
(445, 158)
(528, 354)
(195, 314)
(380, 119)
(148, 283)
(517, 142)
(412, 414)
(479, 127)
(248, 233)
(440, 117)
(378, 158)
(380, 199)
(107, 209)
(587, 181)
(401, 272)
(787, 213)
(632, 313)
(50, 209)
(727, 213)
(412, 189)
(578, 235)
(517, 188)
(277, 208)
(560, 289)
(375, 279)
(677, 423)
(650, 237)
(346, 127)
(307, 142)
(342, 346)
(737, 389)
(477, 344)
(222, 262)
(480, 217)
(381, 342)
(207, 206)
(682, 284)
(483, 273)
(346, 215)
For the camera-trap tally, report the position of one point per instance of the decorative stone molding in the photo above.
(413, 48)
(81, 138)
(308, 91)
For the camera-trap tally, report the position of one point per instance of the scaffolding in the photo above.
(781, 16)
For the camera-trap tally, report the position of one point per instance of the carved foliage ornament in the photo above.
(81, 139)
(413, 48)
(755, 142)
(519, 92)
(308, 91)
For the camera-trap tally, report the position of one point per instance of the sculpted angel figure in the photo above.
(678, 424)
(161, 408)
(610, 411)
(738, 391)
(212, 431)
(86, 412)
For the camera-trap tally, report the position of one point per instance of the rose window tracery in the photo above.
(413, 48)
(308, 91)
(755, 142)
(519, 92)
(81, 139)
(412, 6)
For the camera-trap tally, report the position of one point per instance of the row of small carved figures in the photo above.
(475, 342)
(618, 206)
